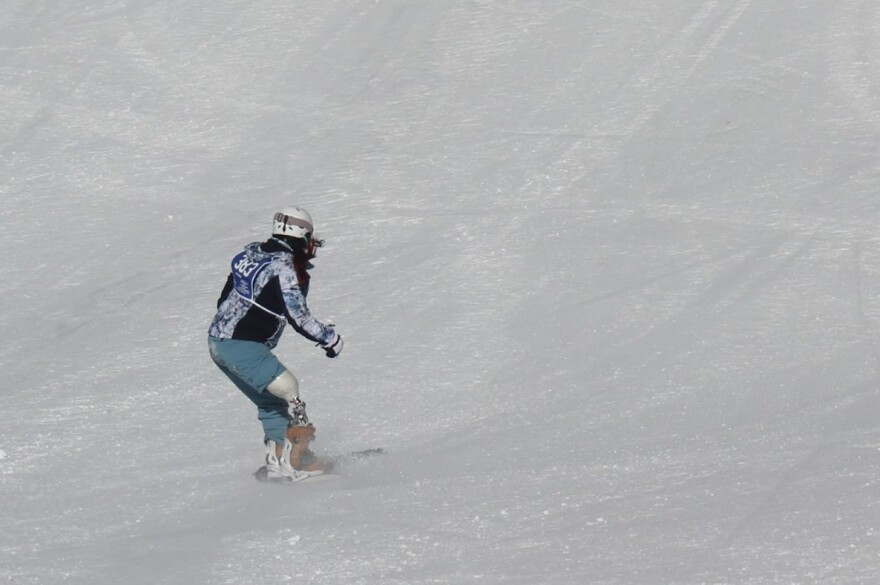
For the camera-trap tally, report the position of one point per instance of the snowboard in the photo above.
(262, 475)
(330, 471)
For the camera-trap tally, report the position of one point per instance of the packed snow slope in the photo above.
(608, 274)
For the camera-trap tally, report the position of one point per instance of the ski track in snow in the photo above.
(607, 274)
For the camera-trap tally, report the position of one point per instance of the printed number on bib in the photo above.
(244, 274)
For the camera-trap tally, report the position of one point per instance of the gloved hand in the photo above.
(334, 347)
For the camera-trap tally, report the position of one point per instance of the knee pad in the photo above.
(285, 387)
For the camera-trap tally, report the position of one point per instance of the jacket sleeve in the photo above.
(227, 288)
(297, 312)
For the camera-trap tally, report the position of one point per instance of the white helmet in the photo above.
(294, 222)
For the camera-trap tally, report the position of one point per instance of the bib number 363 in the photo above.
(244, 274)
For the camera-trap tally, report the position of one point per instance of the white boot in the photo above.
(272, 466)
(287, 468)
(275, 468)
(280, 469)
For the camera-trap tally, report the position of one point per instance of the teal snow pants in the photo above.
(252, 366)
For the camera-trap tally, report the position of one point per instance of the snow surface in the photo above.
(608, 274)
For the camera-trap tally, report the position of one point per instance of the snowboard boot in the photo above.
(278, 468)
(301, 457)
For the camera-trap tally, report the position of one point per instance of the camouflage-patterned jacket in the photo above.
(263, 294)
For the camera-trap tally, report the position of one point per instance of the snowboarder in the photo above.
(265, 290)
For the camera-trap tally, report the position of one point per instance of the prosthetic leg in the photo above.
(300, 432)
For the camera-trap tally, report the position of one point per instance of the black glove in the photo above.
(334, 347)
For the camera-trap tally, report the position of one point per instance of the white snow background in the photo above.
(608, 274)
